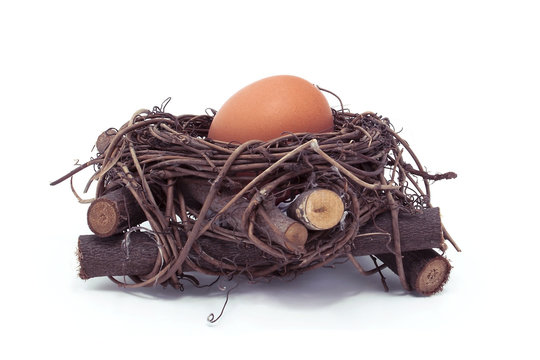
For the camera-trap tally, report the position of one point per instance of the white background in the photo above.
(461, 79)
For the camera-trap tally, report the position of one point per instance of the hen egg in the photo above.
(269, 107)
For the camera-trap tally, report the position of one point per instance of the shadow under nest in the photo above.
(211, 205)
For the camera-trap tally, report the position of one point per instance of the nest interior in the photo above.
(362, 160)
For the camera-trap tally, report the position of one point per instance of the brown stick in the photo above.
(115, 256)
(317, 209)
(270, 220)
(396, 235)
(426, 270)
(114, 212)
(104, 139)
(417, 231)
(107, 257)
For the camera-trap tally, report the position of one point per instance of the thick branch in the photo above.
(114, 212)
(317, 209)
(426, 270)
(270, 220)
(109, 257)
(417, 231)
(116, 255)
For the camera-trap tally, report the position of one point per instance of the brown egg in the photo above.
(269, 107)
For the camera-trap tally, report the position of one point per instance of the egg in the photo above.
(270, 107)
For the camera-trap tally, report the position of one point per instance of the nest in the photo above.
(363, 160)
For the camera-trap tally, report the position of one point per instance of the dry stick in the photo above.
(76, 170)
(288, 233)
(189, 264)
(153, 216)
(81, 200)
(266, 172)
(377, 186)
(170, 212)
(111, 257)
(383, 279)
(105, 257)
(205, 144)
(107, 162)
(163, 222)
(130, 127)
(114, 212)
(170, 199)
(183, 211)
(405, 144)
(396, 235)
(426, 182)
(248, 215)
(426, 270)
(105, 138)
(277, 253)
(359, 267)
(326, 249)
(142, 178)
(445, 232)
(196, 230)
(210, 260)
(417, 231)
(365, 132)
(156, 225)
(151, 279)
(317, 209)
(398, 158)
(331, 93)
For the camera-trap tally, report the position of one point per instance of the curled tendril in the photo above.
(211, 317)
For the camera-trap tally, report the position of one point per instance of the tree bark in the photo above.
(417, 231)
(115, 257)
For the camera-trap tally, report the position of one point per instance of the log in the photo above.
(116, 257)
(426, 271)
(104, 139)
(282, 229)
(417, 231)
(114, 212)
(270, 220)
(317, 209)
(107, 257)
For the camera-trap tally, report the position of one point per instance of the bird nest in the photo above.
(363, 160)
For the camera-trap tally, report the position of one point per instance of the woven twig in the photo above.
(362, 159)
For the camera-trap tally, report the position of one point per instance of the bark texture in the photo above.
(114, 256)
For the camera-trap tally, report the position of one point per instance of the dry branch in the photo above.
(109, 257)
(270, 220)
(426, 270)
(317, 209)
(114, 212)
